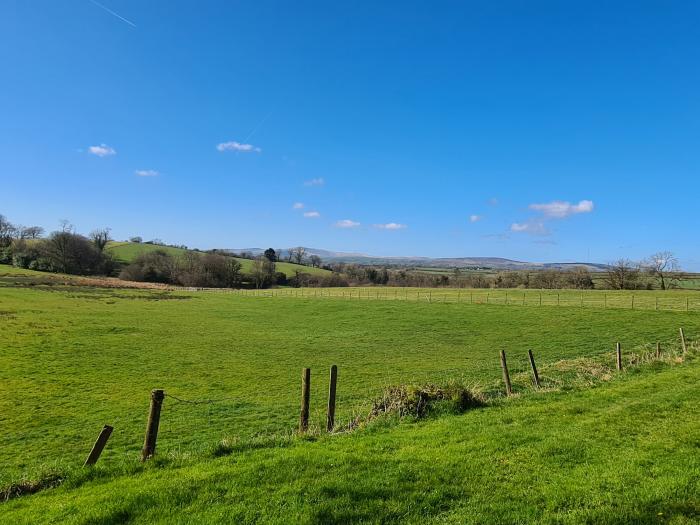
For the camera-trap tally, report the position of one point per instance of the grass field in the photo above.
(127, 251)
(74, 358)
(671, 300)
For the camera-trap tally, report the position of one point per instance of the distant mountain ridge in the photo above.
(498, 263)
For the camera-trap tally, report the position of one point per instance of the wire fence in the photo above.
(643, 300)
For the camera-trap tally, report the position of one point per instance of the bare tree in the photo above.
(100, 238)
(262, 271)
(7, 231)
(663, 266)
(315, 261)
(298, 254)
(621, 274)
(31, 232)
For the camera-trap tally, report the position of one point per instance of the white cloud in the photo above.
(297, 205)
(391, 226)
(237, 146)
(315, 182)
(347, 223)
(146, 173)
(532, 227)
(103, 150)
(312, 215)
(475, 218)
(493, 201)
(563, 209)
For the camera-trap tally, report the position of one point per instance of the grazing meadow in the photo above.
(77, 357)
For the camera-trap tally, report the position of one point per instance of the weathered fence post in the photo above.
(535, 375)
(506, 376)
(632, 301)
(656, 307)
(149, 441)
(330, 415)
(305, 395)
(687, 304)
(618, 356)
(658, 349)
(685, 349)
(99, 446)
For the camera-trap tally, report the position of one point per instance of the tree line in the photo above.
(66, 251)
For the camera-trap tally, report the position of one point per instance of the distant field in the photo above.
(128, 251)
(687, 281)
(673, 300)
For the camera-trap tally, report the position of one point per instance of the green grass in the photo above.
(126, 252)
(75, 358)
(626, 452)
(670, 300)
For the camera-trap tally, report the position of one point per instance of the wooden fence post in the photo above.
(149, 441)
(99, 446)
(658, 349)
(632, 301)
(685, 349)
(535, 375)
(305, 396)
(506, 376)
(618, 356)
(330, 415)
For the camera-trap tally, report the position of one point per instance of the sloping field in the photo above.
(128, 251)
(625, 452)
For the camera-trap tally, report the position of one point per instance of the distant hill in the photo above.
(497, 263)
(126, 252)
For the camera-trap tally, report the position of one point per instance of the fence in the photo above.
(652, 300)
(159, 397)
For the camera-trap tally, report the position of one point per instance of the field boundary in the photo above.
(564, 298)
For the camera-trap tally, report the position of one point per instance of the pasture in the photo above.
(76, 357)
(126, 252)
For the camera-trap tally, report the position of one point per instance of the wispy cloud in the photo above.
(237, 146)
(475, 218)
(103, 150)
(347, 223)
(298, 206)
(493, 201)
(315, 182)
(563, 209)
(146, 173)
(391, 226)
(312, 214)
(533, 227)
(120, 17)
(554, 210)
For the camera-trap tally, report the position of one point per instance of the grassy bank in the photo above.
(625, 452)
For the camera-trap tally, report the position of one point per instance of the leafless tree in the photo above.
(315, 261)
(621, 274)
(262, 271)
(7, 231)
(100, 238)
(31, 232)
(663, 266)
(298, 254)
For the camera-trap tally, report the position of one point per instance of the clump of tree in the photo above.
(189, 269)
(63, 251)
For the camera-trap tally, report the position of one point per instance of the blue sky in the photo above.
(542, 131)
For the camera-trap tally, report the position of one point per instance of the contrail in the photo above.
(113, 13)
(257, 127)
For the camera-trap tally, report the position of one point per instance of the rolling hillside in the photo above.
(125, 252)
